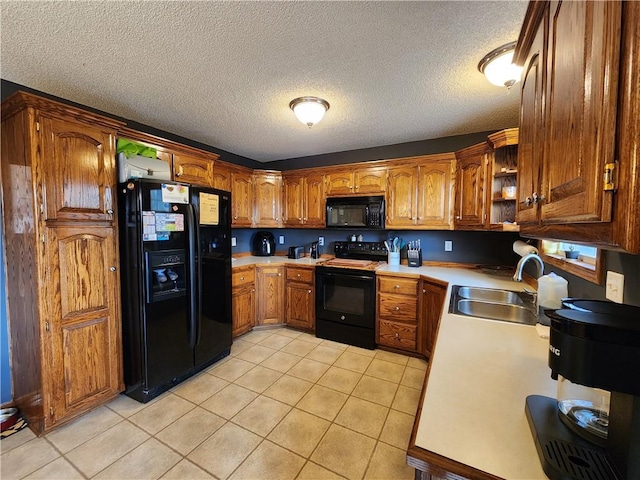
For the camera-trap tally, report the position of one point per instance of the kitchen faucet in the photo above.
(517, 277)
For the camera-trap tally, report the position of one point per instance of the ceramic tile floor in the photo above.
(283, 405)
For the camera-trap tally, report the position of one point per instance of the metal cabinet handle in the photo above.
(298, 275)
(309, 292)
(528, 201)
(397, 286)
(279, 274)
(397, 336)
(110, 212)
(424, 291)
(397, 308)
(113, 269)
(241, 278)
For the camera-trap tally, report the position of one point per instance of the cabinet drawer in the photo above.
(244, 277)
(397, 285)
(304, 275)
(398, 335)
(397, 308)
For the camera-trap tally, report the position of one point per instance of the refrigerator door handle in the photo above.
(193, 311)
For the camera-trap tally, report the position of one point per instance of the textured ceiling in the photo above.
(223, 73)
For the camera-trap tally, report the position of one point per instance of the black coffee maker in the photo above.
(264, 245)
(593, 345)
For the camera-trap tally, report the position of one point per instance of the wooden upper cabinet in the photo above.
(358, 181)
(531, 139)
(579, 123)
(303, 200)
(314, 200)
(267, 199)
(241, 199)
(340, 183)
(401, 196)
(193, 170)
(372, 180)
(470, 186)
(83, 318)
(221, 177)
(293, 200)
(79, 170)
(435, 194)
(581, 102)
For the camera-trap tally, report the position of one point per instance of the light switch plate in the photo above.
(281, 239)
(448, 245)
(233, 241)
(615, 287)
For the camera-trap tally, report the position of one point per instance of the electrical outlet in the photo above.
(321, 241)
(615, 286)
(233, 241)
(281, 239)
(448, 246)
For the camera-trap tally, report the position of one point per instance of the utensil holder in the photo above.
(414, 258)
(394, 258)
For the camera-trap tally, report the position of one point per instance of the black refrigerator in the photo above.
(175, 257)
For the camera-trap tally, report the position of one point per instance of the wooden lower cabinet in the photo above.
(397, 312)
(431, 305)
(300, 305)
(83, 321)
(270, 283)
(408, 312)
(243, 282)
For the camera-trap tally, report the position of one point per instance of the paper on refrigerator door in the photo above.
(209, 209)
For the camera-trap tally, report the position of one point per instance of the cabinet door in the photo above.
(531, 136)
(433, 296)
(270, 295)
(221, 177)
(401, 197)
(293, 203)
(193, 170)
(471, 204)
(79, 171)
(268, 200)
(314, 201)
(83, 318)
(340, 183)
(300, 305)
(244, 309)
(241, 199)
(581, 105)
(435, 195)
(370, 180)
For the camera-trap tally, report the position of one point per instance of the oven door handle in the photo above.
(350, 277)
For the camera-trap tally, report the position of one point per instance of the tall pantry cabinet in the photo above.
(58, 182)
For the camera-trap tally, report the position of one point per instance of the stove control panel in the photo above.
(360, 250)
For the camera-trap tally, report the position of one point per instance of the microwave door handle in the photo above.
(366, 216)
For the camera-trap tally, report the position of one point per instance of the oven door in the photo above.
(345, 296)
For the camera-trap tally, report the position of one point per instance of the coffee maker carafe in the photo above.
(593, 429)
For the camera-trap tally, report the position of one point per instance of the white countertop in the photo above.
(481, 372)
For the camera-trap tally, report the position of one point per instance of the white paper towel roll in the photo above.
(522, 248)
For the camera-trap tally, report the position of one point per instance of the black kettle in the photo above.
(264, 245)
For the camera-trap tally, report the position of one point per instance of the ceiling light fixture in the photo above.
(309, 110)
(498, 67)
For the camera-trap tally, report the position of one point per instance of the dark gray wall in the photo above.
(409, 149)
(468, 247)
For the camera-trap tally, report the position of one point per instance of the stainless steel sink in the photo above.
(490, 295)
(495, 304)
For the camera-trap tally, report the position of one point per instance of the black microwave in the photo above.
(356, 212)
